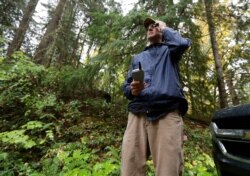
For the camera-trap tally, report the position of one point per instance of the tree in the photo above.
(10, 12)
(44, 50)
(67, 32)
(218, 65)
(238, 69)
(20, 33)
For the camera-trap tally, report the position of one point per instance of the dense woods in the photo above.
(62, 111)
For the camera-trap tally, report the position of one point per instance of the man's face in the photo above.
(154, 33)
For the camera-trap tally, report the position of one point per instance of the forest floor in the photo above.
(92, 146)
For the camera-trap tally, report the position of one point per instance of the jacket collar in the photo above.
(152, 45)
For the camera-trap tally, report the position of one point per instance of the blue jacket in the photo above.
(163, 92)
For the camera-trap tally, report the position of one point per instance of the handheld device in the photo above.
(138, 74)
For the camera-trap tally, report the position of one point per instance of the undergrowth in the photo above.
(52, 123)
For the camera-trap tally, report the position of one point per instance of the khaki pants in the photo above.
(162, 138)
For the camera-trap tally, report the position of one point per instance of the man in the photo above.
(157, 105)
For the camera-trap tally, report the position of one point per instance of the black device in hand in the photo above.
(138, 74)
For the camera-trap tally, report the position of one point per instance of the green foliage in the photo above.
(85, 158)
(56, 130)
(203, 165)
(75, 162)
(20, 137)
(42, 118)
(2, 42)
(54, 121)
(10, 12)
(197, 149)
(19, 79)
(13, 165)
(72, 109)
(79, 159)
(17, 137)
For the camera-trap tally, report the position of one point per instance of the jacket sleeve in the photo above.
(177, 44)
(126, 86)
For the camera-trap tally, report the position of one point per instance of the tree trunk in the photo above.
(160, 8)
(64, 55)
(230, 84)
(75, 48)
(170, 3)
(218, 66)
(43, 53)
(17, 41)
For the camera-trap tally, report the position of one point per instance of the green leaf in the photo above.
(3, 156)
(33, 125)
(17, 137)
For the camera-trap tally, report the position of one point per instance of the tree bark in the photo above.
(231, 87)
(75, 48)
(170, 3)
(65, 54)
(160, 8)
(43, 52)
(218, 65)
(17, 41)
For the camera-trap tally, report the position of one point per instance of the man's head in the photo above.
(154, 30)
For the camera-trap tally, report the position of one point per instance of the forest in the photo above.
(63, 63)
